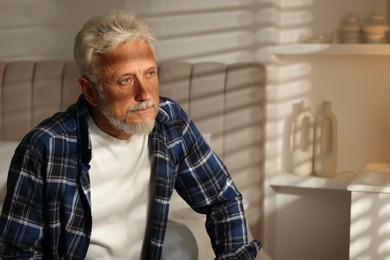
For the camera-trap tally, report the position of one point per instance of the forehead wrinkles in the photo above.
(112, 63)
(112, 59)
(128, 51)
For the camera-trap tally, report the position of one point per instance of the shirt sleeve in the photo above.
(204, 182)
(22, 214)
(247, 251)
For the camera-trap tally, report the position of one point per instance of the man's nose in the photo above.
(142, 91)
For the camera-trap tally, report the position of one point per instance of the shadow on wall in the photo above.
(223, 30)
(208, 30)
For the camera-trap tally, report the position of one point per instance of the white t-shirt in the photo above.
(120, 177)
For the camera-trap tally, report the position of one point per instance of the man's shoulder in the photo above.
(171, 117)
(64, 123)
(61, 124)
(166, 102)
(171, 109)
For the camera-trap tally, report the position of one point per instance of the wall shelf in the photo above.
(330, 49)
(338, 182)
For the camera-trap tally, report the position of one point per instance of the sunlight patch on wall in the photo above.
(385, 229)
(295, 18)
(291, 71)
(370, 226)
(226, 57)
(358, 247)
(359, 227)
(193, 24)
(293, 3)
(280, 110)
(292, 23)
(290, 84)
(291, 87)
(176, 6)
(293, 35)
(292, 91)
(384, 212)
(273, 147)
(275, 128)
(360, 224)
(225, 34)
(362, 206)
(226, 31)
(202, 45)
(384, 249)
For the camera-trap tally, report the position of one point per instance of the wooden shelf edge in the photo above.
(330, 49)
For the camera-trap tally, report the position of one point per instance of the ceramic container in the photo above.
(300, 142)
(375, 28)
(350, 29)
(325, 142)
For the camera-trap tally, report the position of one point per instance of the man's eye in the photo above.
(126, 81)
(150, 74)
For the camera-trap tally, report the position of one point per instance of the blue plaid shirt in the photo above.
(47, 209)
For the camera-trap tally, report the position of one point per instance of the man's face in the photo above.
(127, 90)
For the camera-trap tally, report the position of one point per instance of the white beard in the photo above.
(145, 127)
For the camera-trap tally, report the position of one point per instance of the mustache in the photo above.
(142, 105)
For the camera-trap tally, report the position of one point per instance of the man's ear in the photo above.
(89, 91)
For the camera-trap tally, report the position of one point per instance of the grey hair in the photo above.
(105, 32)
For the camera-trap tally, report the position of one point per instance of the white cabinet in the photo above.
(344, 217)
(313, 217)
(370, 216)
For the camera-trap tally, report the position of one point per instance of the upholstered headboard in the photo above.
(225, 101)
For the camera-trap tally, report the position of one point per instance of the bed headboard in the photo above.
(225, 101)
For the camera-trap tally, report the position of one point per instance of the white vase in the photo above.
(300, 127)
(325, 143)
